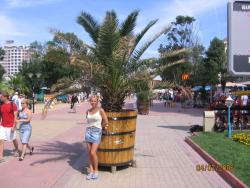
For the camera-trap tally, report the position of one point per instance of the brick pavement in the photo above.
(163, 158)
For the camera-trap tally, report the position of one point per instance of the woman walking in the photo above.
(96, 119)
(25, 130)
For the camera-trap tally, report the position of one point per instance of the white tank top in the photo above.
(94, 120)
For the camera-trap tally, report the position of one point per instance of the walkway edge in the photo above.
(226, 175)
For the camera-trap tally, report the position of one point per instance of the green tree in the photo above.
(37, 50)
(214, 63)
(1, 53)
(2, 71)
(116, 55)
(17, 83)
(23, 76)
(53, 58)
(112, 62)
(180, 36)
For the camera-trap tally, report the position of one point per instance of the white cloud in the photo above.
(8, 28)
(29, 3)
(167, 11)
(21, 31)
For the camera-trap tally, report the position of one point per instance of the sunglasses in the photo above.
(22, 103)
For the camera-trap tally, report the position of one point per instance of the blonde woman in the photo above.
(25, 130)
(96, 119)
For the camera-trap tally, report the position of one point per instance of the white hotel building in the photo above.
(14, 56)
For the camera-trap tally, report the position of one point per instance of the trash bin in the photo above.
(208, 121)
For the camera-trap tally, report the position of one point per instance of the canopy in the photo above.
(244, 83)
(159, 91)
(232, 84)
(158, 78)
(196, 88)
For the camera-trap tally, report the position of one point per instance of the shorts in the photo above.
(25, 133)
(7, 134)
(93, 135)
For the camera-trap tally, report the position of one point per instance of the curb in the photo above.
(225, 174)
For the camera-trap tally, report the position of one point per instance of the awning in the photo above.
(196, 88)
(232, 84)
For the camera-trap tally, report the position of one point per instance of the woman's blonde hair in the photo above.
(26, 101)
(94, 96)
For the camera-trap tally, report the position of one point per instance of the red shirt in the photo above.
(7, 114)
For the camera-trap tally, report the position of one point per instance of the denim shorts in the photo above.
(93, 135)
(25, 133)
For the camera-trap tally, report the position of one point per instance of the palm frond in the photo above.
(63, 83)
(55, 95)
(128, 25)
(108, 38)
(90, 25)
(138, 53)
(71, 39)
(140, 35)
(173, 56)
(181, 61)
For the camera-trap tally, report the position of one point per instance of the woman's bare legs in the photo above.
(93, 153)
(23, 150)
(90, 157)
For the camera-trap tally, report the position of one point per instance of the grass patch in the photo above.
(227, 151)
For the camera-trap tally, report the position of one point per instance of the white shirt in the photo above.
(94, 120)
(14, 98)
(19, 103)
(244, 99)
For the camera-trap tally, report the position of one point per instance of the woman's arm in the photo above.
(87, 113)
(104, 118)
(26, 120)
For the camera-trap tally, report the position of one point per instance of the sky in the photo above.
(25, 21)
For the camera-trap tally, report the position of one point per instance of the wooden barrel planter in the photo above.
(117, 144)
(143, 107)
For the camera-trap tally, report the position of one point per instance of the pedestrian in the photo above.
(18, 102)
(15, 98)
(74, 99)
(8, 116)
(96, 119)
(24, 118)
(78, 99)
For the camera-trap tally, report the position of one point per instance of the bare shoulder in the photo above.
(101, 110)
(29, 111)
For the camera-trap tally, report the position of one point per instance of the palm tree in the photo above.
(112, 63)
(17, 83)
(115, 55)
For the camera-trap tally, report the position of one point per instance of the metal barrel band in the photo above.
(106, 133)
(115, 150)
(121, 118)
(115, 164)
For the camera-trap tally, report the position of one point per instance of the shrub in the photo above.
(242, 138)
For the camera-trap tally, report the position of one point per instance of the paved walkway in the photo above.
(163, 158)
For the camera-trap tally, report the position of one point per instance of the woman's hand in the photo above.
(106, 127)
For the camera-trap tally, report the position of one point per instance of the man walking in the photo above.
(74, 99)
(8, 116)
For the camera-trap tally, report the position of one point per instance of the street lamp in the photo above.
(32, 75)
(229, 103)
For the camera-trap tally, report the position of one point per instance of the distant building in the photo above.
(14, 57)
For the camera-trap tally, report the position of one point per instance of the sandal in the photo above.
(20, 158)
(32, 150)
(2, 160)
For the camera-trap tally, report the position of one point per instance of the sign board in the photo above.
(239, 37)
(185, 76)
